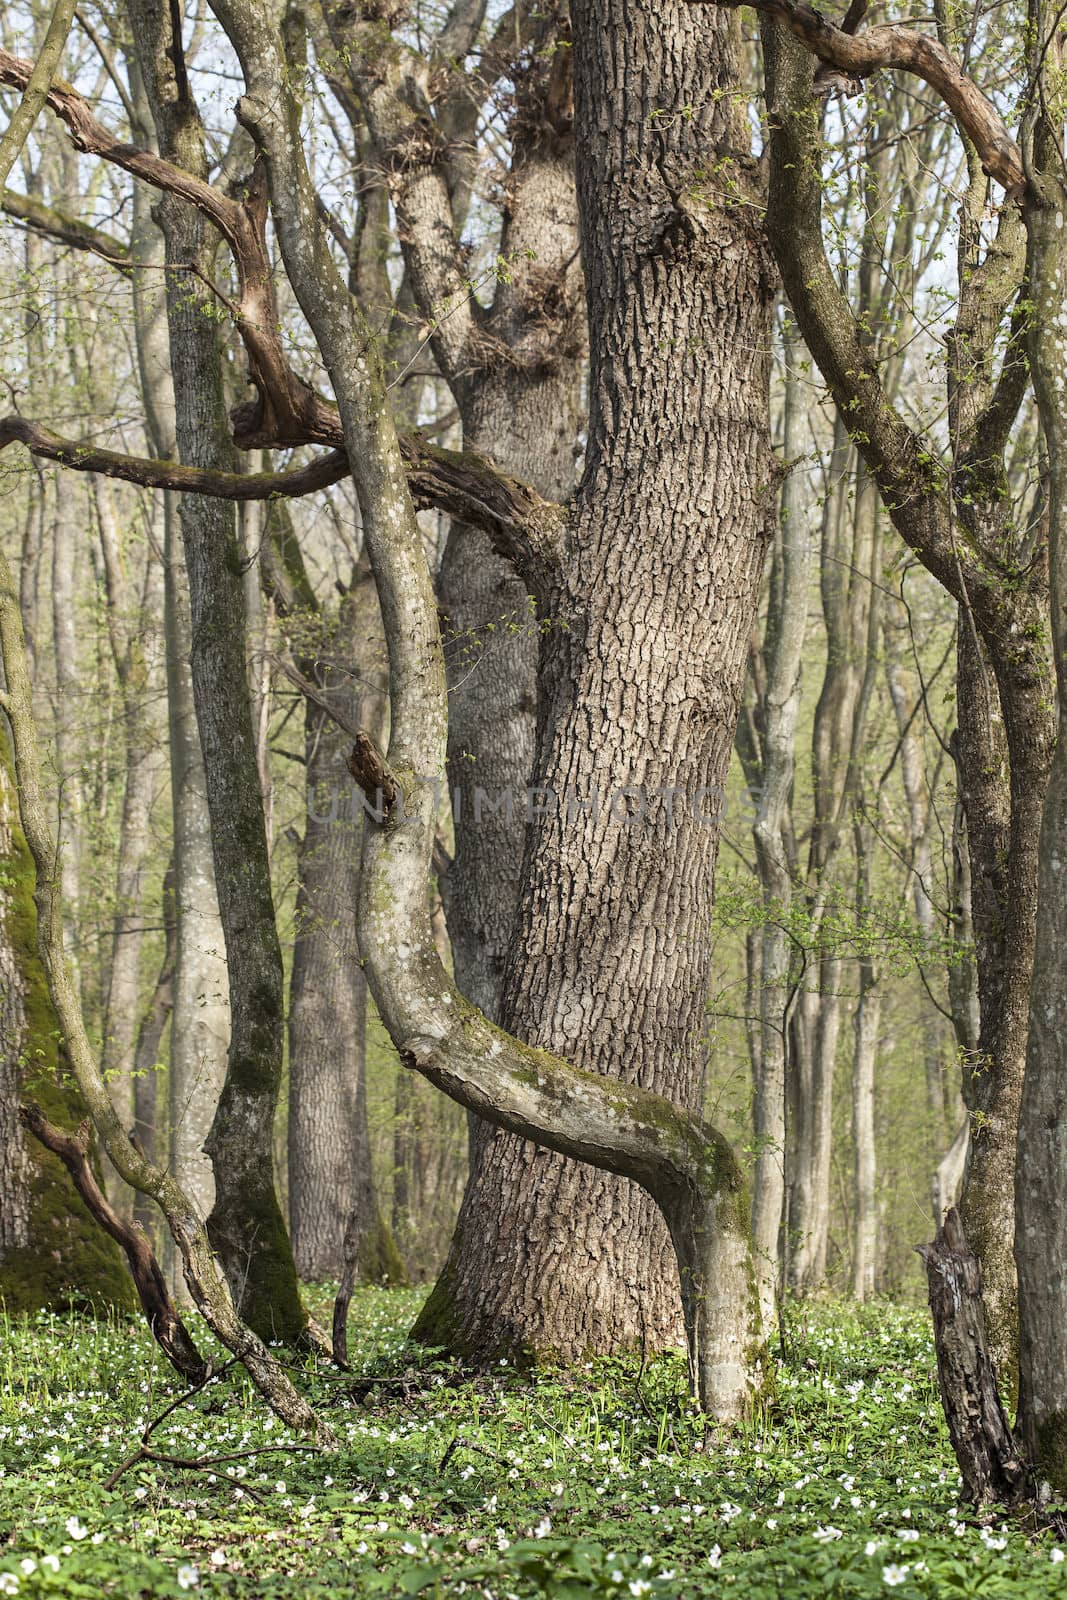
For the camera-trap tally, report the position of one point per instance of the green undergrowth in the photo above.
(600, 1481)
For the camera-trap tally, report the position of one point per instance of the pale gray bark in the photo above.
(785, 632)
(865, 1023)
(851, 547)
(200, 1016)
(69, 704)
(135, 646)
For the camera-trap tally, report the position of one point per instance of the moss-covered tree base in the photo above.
(61, 1259)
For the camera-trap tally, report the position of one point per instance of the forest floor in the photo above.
(600, 1481)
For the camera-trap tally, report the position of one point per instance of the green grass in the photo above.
(577, 1484)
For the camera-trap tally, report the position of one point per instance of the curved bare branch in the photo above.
(891, 48)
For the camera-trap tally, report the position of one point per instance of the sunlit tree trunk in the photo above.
(199, 998)
(770, 770)
(865, 1023)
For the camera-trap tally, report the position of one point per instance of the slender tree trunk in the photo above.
(864, 1059)
(245, 1224)
(69, 707)
(200, 1020)
(1002, 759)
(920, 860)
(785, 631)
(610, 966)
(138, 669)
(37, 364)
(850, 557)
(199, 987)
(149, 1131)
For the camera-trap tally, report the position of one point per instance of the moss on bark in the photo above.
(67, 1260)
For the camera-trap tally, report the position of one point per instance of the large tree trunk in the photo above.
(642, 671)
(51, 1251)
(524, 413)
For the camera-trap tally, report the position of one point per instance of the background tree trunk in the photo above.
(1041, 1168)
(331, 1185)
(864, 1060)
(770, 770)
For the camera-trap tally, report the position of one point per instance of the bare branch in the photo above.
(68, 230)
(896, 49)
(151, 474)
(35, 89)
(162, 1315)
(525, 529)
(318, 697)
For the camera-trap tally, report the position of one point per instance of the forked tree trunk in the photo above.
(641, 675)
(523, 412)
